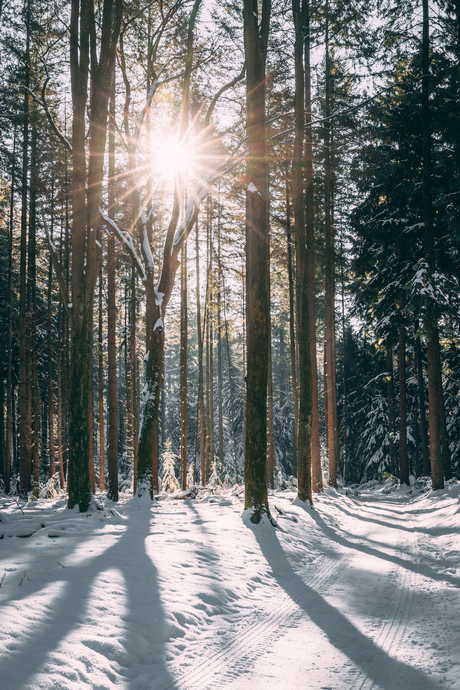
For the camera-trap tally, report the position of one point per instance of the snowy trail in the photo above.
(360, 593)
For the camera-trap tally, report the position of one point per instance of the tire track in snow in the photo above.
(393, 630)
(248, 640)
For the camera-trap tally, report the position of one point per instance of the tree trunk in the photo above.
(200, 365)
(133, 370)
(421, 399)
(101, 392)
(183, 370)
(112, 397)
(317, 476)
(431, 324)
(271, 457)
(304, 437)
(9, 301)
(391, 413)
(402, 407)
(257, 261)
(329, 311)
(52, 454)
(219, 344)
(292, 339)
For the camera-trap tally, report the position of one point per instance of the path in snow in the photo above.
(360, 593)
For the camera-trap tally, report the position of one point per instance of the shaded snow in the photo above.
(185, 594)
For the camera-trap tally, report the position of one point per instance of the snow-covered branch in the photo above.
(126, 239)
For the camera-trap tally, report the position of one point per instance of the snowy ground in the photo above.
(360, 593)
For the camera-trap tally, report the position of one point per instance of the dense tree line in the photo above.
(230, 243)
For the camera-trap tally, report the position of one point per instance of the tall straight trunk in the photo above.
(212, 458)
(9, 300)
(52, 452)
(404, 465)
(257, 260)
(24, 427)
(391, 413)
(292, 339)
(200, 364)
(317, 476)
(271, 459)
(230, 381)
(421, 401)
(444, 438)
(32, 311)
(183, 370)
(329, 289)
(219, 344)
(101, 391)
(431, 322)
(304, 435)
(112, 397)
(59, 399)
(344, 378)
(133, 369)
(244, 363)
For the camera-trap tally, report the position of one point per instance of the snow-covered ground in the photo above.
(362, 592)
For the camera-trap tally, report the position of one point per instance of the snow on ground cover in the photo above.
(362, 592)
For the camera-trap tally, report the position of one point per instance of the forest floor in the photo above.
(361, 592)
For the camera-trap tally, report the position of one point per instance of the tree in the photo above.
(257, 261)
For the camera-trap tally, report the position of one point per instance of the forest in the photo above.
(230, 245)
(229, 362)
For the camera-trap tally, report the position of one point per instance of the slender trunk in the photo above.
(183, 370)
(24, 428)
(344, 379)
(59, 401)
(200, 364)
(317, 476)
(304, 438)
(257, 261)
(231, 388)
(133, 370)
(391, 413)
(402, 407)
(101, 392)
(32, 311)
(329, 311)
(92, 476)
(271, 458)
(9, 300)
(244, 364)
(292, 339)
(219, 346)
(52, 454)
(431, 323)
(421, 399)
(112, 397)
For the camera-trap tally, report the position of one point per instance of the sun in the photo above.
(170, 156)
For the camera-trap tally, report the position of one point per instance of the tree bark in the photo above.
(421, 400)
(292, 339)
(404, 466)
(101, 392)
(24, 427)
(391, 413)
(329, 311)
(257, 261)
(183, 370)
(317, 475)
(431, 324)
(200, 365)
(304, 437)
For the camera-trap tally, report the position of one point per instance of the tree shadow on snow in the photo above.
(375, 663)
(419, 569)
(141, 624)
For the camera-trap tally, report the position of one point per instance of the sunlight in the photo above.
(170, 156)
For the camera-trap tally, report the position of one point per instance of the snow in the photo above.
(186, 593)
